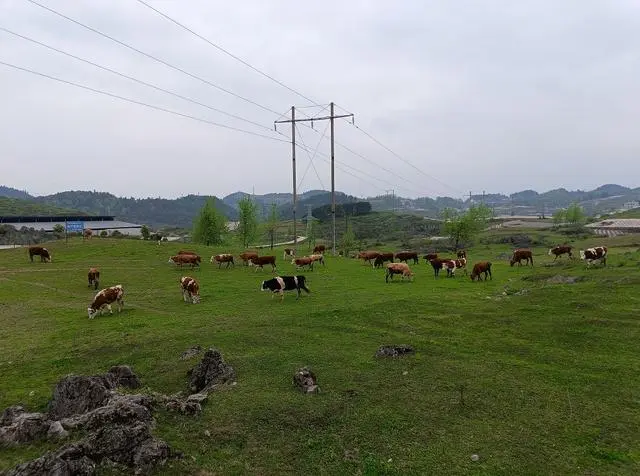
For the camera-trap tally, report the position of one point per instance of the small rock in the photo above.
(57, 431)
(207, 433)
(197, 397)
(124, 376)
(306, 381)
(475, 457)
(405, 373)
(32, 393)
(211, 371)
(394, 350)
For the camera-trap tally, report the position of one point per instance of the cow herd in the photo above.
(190, 288)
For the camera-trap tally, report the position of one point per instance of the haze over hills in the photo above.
(180, 212)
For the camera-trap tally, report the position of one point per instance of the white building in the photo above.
(97, 224)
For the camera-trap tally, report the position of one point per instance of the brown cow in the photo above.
(480, 268)
(260, 261)
(407, 255)
(44, 254)
(368, 256)
(560, 250)
(223, 258)
(104, 299)
(381, 259)
(94, 277)
(599, 253)
(318, 249)
(87, 233)
(430, 256)
(398, 268)
(247, 255)
(179, 260)
(190, 289)
(461, 254)
(521, 254)
(303, 261)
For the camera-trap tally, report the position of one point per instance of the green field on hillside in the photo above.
(534, 375)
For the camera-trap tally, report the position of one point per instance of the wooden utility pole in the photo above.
(331, 117)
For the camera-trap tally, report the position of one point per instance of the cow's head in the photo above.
(251, 263)
(512, 261)
(195, 298)
(92, 312)
(263, 287)
(582, 254)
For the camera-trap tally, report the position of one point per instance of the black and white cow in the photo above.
(280, 284)
(594, 254)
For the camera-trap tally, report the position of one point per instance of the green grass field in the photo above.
(534, 377)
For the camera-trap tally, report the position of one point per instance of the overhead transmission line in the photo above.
(313, 102)
(140, 103)
(139, 81)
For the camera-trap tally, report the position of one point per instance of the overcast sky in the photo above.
(478, 95)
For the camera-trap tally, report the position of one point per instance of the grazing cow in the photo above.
(430, 256)
(521, 254)
(381, 259)
(105, 298)
(44, 254)
(247, 255)
(461, 254)
(260, 261)
(398, 268)
(223, 258)
(319, 258)
(87, 233)
(452, 264)
(94, 277)
(483, 267)
(190, 289)
(594, 254)
(289, 253)
(303, 261)
(368, 256)
(179, 260)
(318, 249)
(406, 256)
(560, 250)
(280, 284)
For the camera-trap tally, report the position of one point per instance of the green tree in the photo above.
(210, 227)
(462, 227)
(348, 240)
(58, 228)
(247, 221)
(575, 214)
(271, 224)
(559, 216)
(145, 232)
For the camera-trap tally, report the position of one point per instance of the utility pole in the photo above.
(331, 117)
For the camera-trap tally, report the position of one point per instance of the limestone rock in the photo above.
(211, 371)
(305, 380)
(394, 350)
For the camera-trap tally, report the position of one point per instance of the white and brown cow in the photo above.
(560, 250)
(223, 258)
(190, 289)
(289, 253)
(105, 298)
(599, 253)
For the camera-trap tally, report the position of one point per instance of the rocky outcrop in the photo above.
(305, 380)
(211, 372)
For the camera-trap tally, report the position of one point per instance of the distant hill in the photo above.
(155, 212)
(15, 206)
(265, 201)
(14, 193)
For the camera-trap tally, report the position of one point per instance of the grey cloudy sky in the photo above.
(482, 95)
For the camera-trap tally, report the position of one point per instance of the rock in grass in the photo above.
(305, 380)
(211, 371)
(394, 350)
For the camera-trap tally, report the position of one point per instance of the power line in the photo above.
(311, 157)
(144, 83)
(150, 56)
(139, 103)
(220, 48)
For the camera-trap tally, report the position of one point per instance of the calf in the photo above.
(260, 261)
(407, 255)
(398, 268)
(559, 251)
(483, 267)
(289, 253)
(179, 260)
(303, 261)
(223, 258)
(594, 254)
(104, 299)
(368, 256)
(280, 284)
(319, 249)
(190, 289)
(381, 259)
(247, 255)
(94, 277)
(521, 254)
(44, 254)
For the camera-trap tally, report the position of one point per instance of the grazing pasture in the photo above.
(533, 375)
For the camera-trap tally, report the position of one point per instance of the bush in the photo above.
(104, 234)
